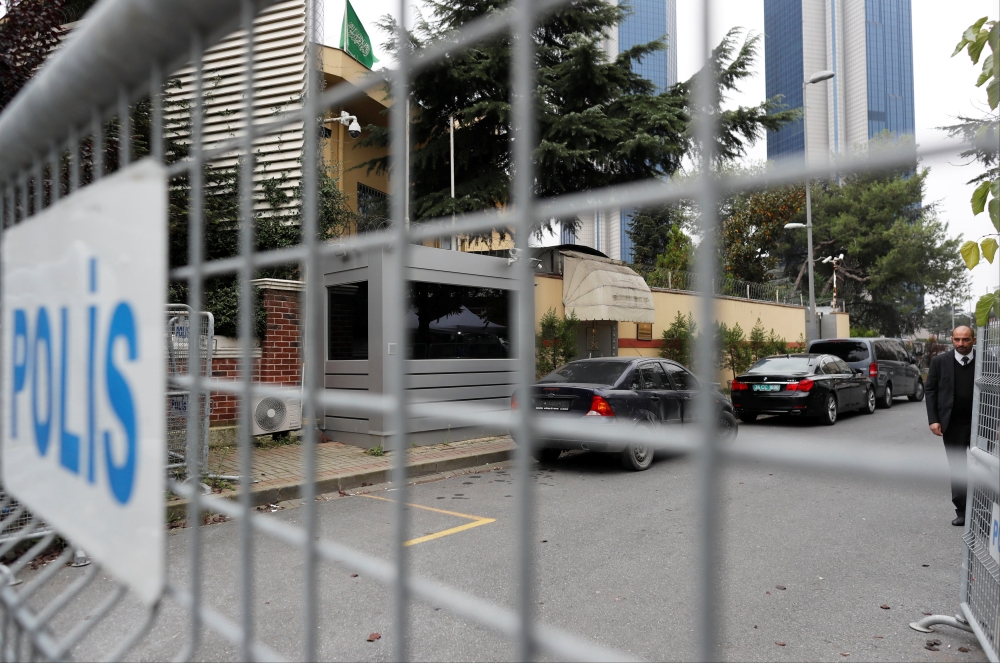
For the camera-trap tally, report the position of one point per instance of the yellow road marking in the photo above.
(476, 521)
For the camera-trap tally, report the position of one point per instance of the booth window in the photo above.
(347, 324)
(457, 322)
(644, 331)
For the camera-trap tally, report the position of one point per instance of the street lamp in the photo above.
(818, 77)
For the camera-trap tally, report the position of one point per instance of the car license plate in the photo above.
(560, 405)
(766, 387)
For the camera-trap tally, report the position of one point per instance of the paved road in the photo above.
(618, 559)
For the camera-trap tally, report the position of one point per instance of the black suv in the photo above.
(892, 370)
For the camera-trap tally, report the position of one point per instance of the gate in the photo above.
(178, 338)
(979, 600)
(55, 138)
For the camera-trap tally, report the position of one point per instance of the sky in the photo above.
(943, 89)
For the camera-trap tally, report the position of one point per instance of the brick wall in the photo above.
(280, 359)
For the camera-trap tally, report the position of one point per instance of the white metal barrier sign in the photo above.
(83, 286)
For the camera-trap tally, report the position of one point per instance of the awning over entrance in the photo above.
(596, 288)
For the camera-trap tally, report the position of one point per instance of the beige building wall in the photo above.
(343, 153)
(788, 322)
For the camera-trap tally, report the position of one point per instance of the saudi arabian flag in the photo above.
(354, 39)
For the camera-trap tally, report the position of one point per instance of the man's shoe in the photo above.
(959, 521)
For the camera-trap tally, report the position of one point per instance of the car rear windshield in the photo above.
(588, 372)
(846, 350)
(782, 365)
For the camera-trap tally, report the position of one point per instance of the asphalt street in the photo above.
(809, 561)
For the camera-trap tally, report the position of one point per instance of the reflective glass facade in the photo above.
(651, 20)
(783, 70)
(889, 42)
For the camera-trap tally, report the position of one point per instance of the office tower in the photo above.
(868, 43)
(606, 230)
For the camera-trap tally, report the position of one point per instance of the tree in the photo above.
(29, 31)
(659, 240)
(983, 134)
(896, 248)
(599, 122)
(555, 343)
(678, 339)
(753, 231)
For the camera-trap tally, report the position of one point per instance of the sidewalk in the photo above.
(278, 470)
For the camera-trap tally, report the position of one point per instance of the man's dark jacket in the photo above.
(940, 389)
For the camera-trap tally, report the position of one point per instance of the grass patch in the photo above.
(375, 451)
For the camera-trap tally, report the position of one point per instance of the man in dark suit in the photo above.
(950, 385)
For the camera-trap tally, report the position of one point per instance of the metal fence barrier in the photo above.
(179, 402)
(726, 287)
(121, 54)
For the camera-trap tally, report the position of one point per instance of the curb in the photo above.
(272, 494)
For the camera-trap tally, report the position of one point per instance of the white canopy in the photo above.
(596, 288)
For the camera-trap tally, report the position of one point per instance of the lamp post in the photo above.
(818, 77)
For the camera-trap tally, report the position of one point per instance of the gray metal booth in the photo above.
(455, 337)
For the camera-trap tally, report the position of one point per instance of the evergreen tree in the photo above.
(599, 122)
(896, 248)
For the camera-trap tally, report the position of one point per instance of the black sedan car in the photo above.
(640, 391)
(805, 385)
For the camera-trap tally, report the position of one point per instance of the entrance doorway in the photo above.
(597, 338)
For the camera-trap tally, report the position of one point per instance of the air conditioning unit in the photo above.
(276, 415)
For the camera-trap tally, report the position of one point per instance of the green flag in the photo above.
(354, 39)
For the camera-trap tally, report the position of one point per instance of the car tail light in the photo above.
(513, 402)
(873, 370)
(801, 385)
(736, 385)
(600, 408)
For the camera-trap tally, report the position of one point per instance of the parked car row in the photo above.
(832, 376)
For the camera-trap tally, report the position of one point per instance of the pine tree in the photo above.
(599, 122)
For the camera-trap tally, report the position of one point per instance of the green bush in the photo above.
(555, 343)
(678, 339)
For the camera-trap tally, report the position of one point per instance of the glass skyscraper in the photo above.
(649, 20)
(868, 43)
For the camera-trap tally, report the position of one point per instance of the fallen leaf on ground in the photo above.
(884, 606)
(354, 575)
(931, 648)
(372, 637)
(964, 650)
(767, 592)
(780, 644)
(879, 637)
(928, 613)
(934, 642)
(844, 653)
(781, 587)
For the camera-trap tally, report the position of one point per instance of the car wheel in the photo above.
(828, 416)
(869, 406)
(886, 401)
(638, 456)
(918, 393)
(546, 455)
(748, 417)
(728, 428)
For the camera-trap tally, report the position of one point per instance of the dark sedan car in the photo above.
(806, 385)
(639, 391)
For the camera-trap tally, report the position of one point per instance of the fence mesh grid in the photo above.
(40, 129)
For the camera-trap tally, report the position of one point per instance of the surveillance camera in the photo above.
(354, 129)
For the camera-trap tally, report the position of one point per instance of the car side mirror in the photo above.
(913, 358)
(857, 371)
